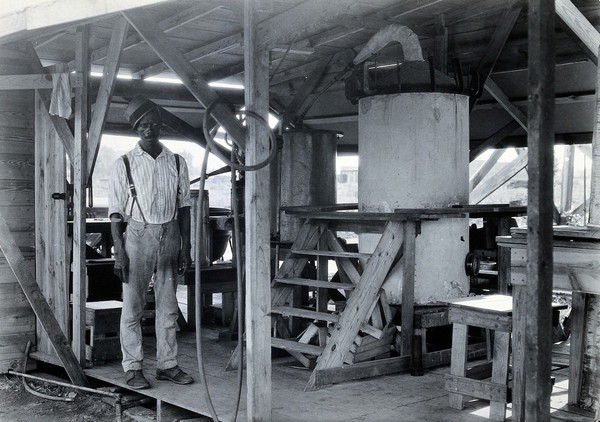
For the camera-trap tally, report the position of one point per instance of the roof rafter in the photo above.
(159, 42)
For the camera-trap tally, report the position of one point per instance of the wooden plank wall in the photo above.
(51, 248)
(17, 207)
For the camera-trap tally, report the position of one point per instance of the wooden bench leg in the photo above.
(500, 372)
(458, 364)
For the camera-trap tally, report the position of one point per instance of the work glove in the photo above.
(121, 269)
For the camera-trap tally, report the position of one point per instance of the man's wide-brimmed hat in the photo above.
(138, 107)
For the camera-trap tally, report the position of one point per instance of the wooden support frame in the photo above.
(107, 84)
(39, 305)
(149, 30)
(60, 124)
(499, 37)
(485, 168)
(489, 186)
(258, 230)
(493, 140)
(580, 26)
(79, 193)
(35, 81)
(499, 95)
(168, 24)
(358, 305)
(540, 142)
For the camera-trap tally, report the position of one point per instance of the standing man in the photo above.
(150, 193)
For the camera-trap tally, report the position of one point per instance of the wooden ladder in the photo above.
(333, 336)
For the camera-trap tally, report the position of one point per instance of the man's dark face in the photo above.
(148, 129)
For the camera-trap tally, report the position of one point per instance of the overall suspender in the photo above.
(133, 192)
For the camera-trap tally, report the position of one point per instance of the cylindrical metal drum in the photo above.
(203, 241)
(307, 174)
(413, 150)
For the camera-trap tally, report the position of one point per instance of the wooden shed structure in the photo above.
(528, 71)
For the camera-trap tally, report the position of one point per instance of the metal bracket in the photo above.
(58, 195)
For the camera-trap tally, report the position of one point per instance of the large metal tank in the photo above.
(413, 150)
(307, 174)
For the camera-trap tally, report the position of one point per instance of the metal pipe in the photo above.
(117, 396)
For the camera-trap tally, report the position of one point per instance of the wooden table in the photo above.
(218, 278)
(576, 255)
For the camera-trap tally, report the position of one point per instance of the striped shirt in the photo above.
(155, 183)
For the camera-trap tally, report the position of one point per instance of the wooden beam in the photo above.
(35, 81)
(489, 186)
(39, 304)
(60, 125)
(168, 24)
(594, 219)
(408, 288)
(497, 42)
(156, 39)
(540, 205)
(294, 108)
(494, 140)
(79, 193)
(485, 168)
(216, 47)
(496, 92)
(105, 91)
(578, 23)
(440, 44)
(258, 230)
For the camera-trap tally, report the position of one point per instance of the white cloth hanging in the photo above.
(60, 103)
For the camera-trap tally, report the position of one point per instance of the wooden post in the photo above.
(566, 194)
(408, 287)
(79, 184)
(594, 219)
(258, 250)
(540, 141)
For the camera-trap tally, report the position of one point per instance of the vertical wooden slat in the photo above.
(79, 184)
(518, 347)
(540, 205)
(258, 255)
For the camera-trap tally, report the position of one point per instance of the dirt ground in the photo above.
(18, 405)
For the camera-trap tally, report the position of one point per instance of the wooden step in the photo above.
(331, 254)
(294, 346)
(321, 284)
(304, 313)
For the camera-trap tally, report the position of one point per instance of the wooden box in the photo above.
(102, 321)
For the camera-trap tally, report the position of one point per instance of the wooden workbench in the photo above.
(576, 256)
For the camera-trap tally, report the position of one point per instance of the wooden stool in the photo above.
(493, 312)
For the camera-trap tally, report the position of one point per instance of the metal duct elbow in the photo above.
(392, 33)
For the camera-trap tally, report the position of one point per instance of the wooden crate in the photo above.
(102, 321)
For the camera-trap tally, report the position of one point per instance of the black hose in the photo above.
(214, 146)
